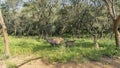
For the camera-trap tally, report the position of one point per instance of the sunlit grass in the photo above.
(82, 51)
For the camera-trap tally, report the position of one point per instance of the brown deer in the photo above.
(70, 43)
(54, 41)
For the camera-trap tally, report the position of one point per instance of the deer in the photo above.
(54, 41)
(70, 43)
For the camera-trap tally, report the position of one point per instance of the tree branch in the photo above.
(27, 61)
(113, 8)
(109, 6)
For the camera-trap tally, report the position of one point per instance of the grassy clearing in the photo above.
(84, 49)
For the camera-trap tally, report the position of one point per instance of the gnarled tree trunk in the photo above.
(95, 41)
(111, 9)
(117, 34)
(5, 34)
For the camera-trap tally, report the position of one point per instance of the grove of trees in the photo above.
(77, 18)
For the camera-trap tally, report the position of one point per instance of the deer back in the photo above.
(58, 40)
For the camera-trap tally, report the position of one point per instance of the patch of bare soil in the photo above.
(2, 64)
(90, 64)
(38, 63)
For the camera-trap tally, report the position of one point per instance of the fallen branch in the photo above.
(27, 61)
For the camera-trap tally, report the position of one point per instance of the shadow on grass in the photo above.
(44, 47)
(106, 44)
(47, 46)
(83, 43)
(41, 47)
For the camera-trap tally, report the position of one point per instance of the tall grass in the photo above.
(83, 50)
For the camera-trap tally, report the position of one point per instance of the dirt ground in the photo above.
(104, 63)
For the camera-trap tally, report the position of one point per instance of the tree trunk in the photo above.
(5, 34)
(117, 35)
(111, 8)
(63, 29)
(95, 41)
(101, 34)
(15, 31)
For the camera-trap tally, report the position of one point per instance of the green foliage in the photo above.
(56, 17)
(110, 51)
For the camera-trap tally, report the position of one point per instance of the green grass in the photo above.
(82, 51)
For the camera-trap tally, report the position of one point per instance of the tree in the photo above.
(4, 29)
(5, 34)
(116, 19)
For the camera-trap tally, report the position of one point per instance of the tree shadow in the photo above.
(47, 46)
(41, 47)
(44, 46)
(85, 44)
(115, 63)
(66, 65)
